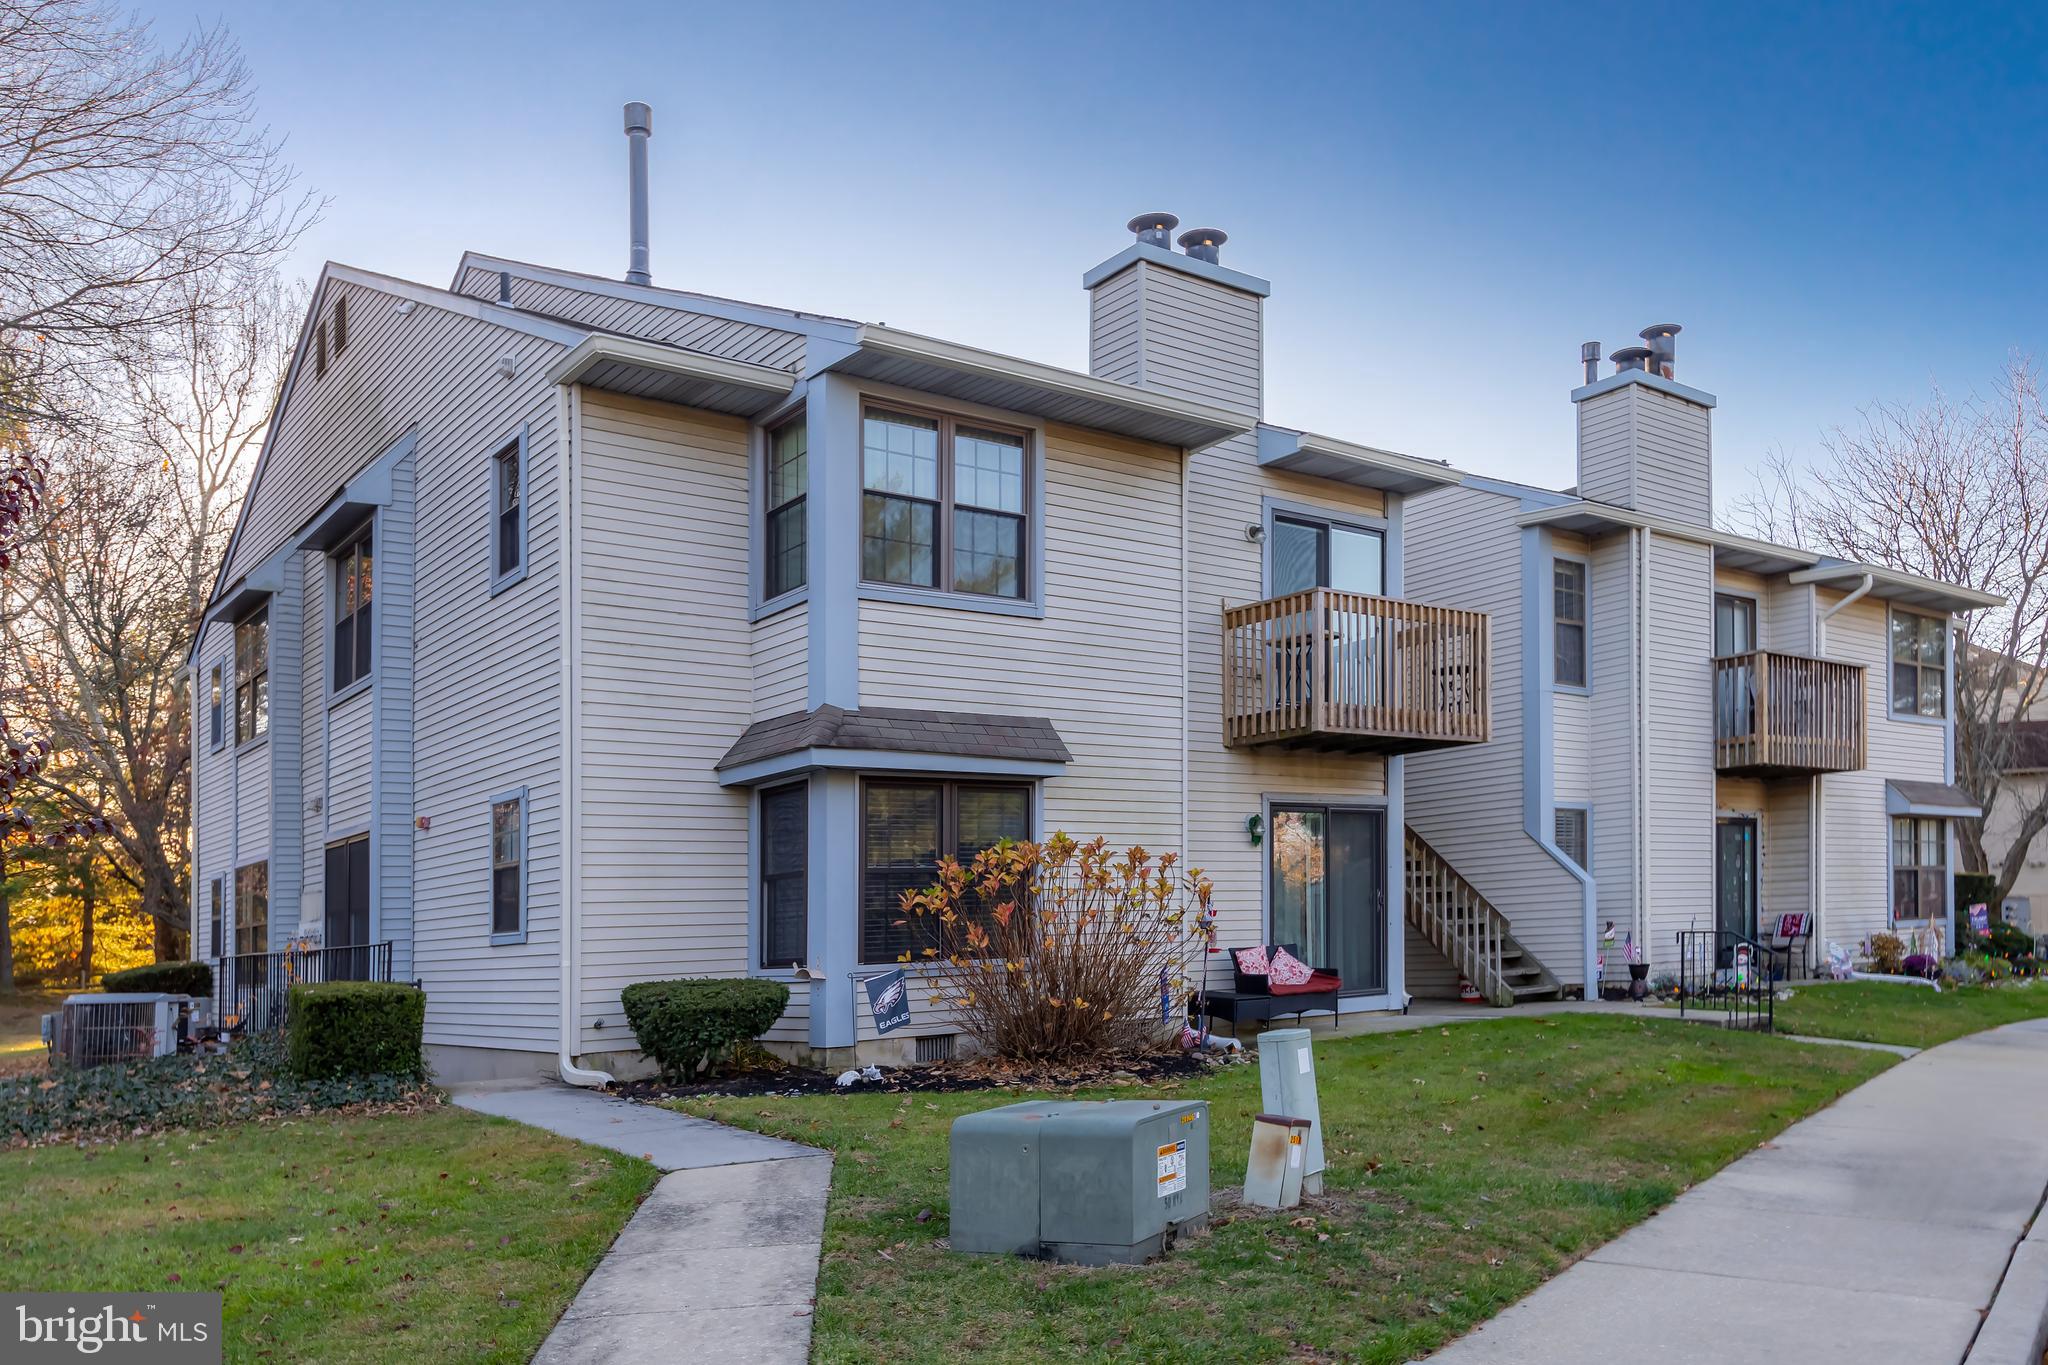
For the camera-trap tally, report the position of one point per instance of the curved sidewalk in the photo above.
(721, 1259)
(1877, 1231)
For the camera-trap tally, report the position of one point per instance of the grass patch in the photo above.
(1466, 1165)
(432, 1236)
(1913, 1016)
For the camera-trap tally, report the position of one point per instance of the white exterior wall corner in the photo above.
(1462, 548)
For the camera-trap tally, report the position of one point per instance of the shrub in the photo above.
(1062, 950)
(355, 1028)
(2008, 941)
(1962, 971)
(1974, 888)
(688, 1027)
(1920, 964)
(1887, 954)
(171, 978)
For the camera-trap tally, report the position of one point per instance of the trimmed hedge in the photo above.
(688, 1027)
(355, 1028)
(171, 978)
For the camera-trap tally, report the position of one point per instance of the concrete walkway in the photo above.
(1877, 1231)
(719, 1263)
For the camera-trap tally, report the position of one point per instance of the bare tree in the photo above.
(1956, 491)
(135, 185)
(122, 573)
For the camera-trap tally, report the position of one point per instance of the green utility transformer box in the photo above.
(1095, 1182)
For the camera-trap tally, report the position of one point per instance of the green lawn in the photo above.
(1882, 1012)
(430, 1236)
(1466, 1166)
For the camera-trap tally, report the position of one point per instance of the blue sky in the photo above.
(1841, 205)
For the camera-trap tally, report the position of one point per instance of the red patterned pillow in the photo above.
(1289, 970)
(1252, 961)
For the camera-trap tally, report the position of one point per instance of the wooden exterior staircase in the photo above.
(1464, 926)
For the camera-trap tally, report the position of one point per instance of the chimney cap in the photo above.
(1202, 237)
(1660, 329)
(1153, 222)
(639, 118)
(1630, 358)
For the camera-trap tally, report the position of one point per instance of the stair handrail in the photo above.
(1473, 934)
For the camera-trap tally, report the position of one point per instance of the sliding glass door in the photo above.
(1328, 891)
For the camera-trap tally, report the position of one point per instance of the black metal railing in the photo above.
(249, 989)
(1727, 979)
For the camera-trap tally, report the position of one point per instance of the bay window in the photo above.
(943, 504)
(788, 493)
(906, 826)
(352, 573)
(1919, 867)
(252, 676)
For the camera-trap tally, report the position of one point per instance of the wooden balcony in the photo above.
(1345, 672)
(1786, 715)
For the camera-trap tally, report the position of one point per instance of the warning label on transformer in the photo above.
(1173, 1168)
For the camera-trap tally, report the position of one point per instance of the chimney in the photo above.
(1202, 243)
(1661, 339)
(1643, 445)
(1178, 321)
(1155, 229)
(639, 127)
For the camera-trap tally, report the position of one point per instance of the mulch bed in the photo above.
(1146, 1068)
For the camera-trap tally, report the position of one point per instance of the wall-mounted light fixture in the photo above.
(1255, 827)
(1255, 532)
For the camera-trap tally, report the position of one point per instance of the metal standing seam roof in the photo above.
(954, 734)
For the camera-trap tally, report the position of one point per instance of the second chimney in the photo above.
(1202, 243)
(1661, 339)
(639, 127)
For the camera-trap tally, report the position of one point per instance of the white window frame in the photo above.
(257, 734)
(514, 445)
(515, 795)
(1585, 622)
(337, 562)
(1948, 667)
(218, 704)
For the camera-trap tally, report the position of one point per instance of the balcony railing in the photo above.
(1786, 714)
(249, 989)
(1325, 669)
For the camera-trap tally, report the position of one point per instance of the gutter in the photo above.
(571, 927)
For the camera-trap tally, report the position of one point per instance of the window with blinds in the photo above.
(1572, 834)
(904, 828)
(785, 883)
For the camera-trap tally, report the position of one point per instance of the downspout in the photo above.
(571, 927)
(1818, 820)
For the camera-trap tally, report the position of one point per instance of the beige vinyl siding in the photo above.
(1788, 616)
(667, 685)
(1573, 733)
(795, 1024)
(674, 323)
(484, 675)
(1429, 975)
(1613, 738)
(1788, 852)
(1640, 447)
(1678, 702)
(348, 757)
(1463, 549)
(1201, 340)
(1115, 327)
(1606, 435)
(1855, 829)
(781, 662)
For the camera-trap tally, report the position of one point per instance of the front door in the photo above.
(1735, 876)
(1329, 891)
(348, 909)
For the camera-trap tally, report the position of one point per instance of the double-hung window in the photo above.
(1568, 613)
(943, 504)
(785, 863)
(905, 828)
(352, 633)
(508, 508)
(217, 893)
(508, 866)
(252, 675)
(1919, 867)
(789, 484)
(216, 707)
(1919, 665)
(252, 908)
